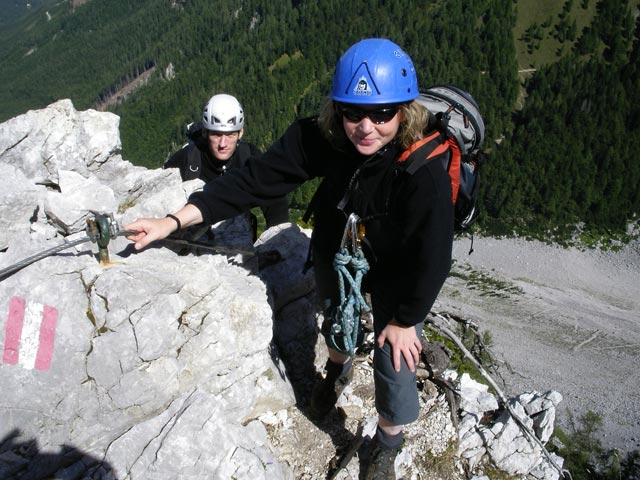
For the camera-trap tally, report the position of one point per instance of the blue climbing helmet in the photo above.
(374, 71)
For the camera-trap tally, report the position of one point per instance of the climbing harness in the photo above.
(351, 266)
(100, 229)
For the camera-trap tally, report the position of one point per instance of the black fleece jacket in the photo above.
(196, 161)
(408, 218)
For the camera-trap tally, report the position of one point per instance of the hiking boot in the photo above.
(326, 392)
(381, 462)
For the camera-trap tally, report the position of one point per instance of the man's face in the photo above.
(223, 144)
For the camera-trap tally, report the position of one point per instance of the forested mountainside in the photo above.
(557, 83)
(11, 10)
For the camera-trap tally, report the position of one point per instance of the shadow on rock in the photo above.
(22, 459)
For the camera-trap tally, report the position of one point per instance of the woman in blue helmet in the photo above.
(369, 119)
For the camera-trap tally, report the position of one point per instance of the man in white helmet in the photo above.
(217, 147)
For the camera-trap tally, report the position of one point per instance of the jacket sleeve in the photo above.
(264, 179)
(427, 240)
(278, 211)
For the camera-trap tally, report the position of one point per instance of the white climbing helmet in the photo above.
(223, 113)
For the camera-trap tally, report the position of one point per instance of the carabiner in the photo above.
(352, 232)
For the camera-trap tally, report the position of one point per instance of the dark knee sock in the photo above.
(388, 441)
(334, 370)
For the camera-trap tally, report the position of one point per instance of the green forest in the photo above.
(10, 10)
(557, 83)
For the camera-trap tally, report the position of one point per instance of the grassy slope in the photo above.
(548, 12)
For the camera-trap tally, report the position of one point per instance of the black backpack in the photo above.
(194, 131)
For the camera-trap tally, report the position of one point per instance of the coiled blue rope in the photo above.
(351, 268)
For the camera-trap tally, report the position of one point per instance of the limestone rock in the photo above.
(153, 365)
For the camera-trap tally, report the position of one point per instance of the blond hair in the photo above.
(415, 119)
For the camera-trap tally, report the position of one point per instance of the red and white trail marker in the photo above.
(29, 334)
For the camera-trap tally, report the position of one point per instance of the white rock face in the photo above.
(154, 364)
(43, 142)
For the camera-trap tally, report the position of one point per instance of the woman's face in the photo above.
(370, 127)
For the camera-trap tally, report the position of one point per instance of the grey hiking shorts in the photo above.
(396, 392)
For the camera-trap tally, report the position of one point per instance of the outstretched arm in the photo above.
(151, 229)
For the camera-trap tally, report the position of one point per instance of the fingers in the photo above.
(396, 358)
(396, 351)
(140, 240)
(412, 357)
(139, 245)
(400, 351)
(135, 228)
(135, 236)
(417, 349)
(404, 344)
(382, 338)
(143, 236)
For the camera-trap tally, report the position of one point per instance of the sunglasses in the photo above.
(378, 116)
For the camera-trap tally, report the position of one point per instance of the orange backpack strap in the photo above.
(431, 147)
(429, 143)
(454, 169)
